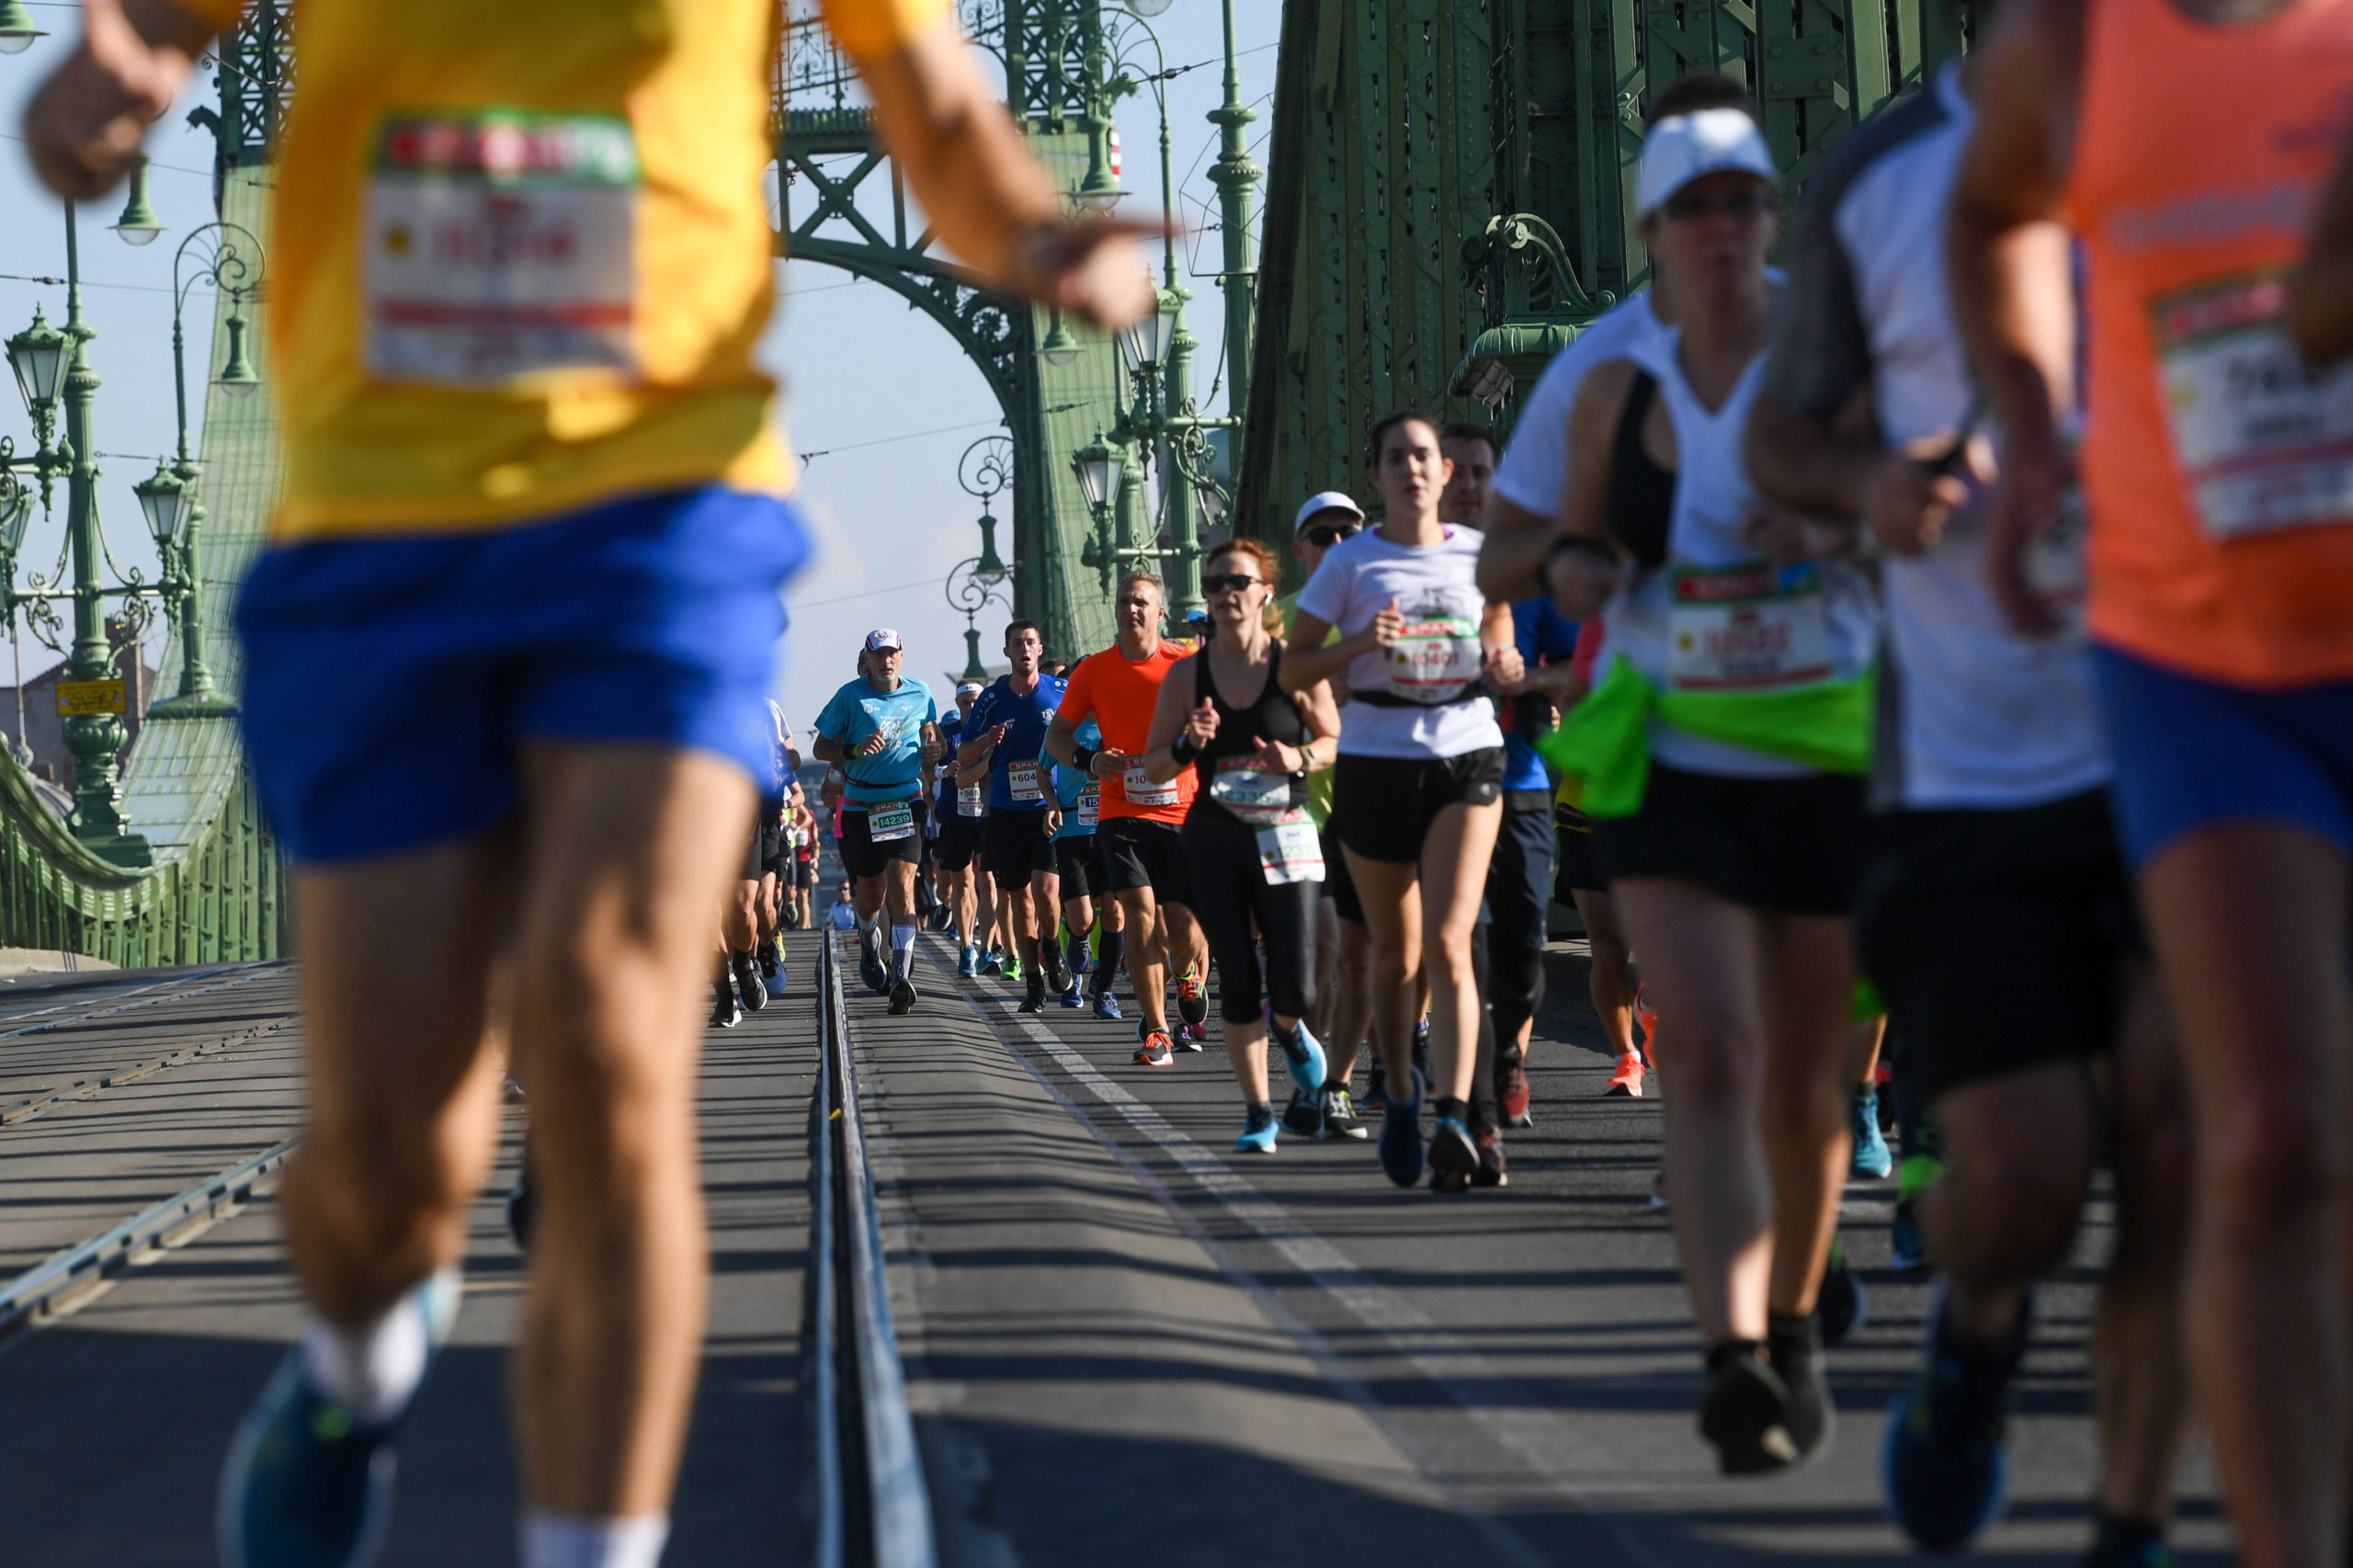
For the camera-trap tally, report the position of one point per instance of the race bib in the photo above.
(1291, 851)
(969, 799)
(501, 243)
(1090, 803)
(1435, 657)
(1022, 778)
(1250, 791)
(884, 824)
(2263, 443)
(1142, 791)
(1750, 628)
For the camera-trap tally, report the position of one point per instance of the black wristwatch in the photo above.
(1081, 757)
(1181, 749)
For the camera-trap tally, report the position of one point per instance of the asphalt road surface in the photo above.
(1125, 1343)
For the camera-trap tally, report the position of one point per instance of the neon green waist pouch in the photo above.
(1604, 742)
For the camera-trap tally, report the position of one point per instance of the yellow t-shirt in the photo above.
(521, 255)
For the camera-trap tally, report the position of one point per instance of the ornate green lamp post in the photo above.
(985, 471)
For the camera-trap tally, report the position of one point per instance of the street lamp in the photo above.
(1098, 474)
(38, 356)
(138, 225)
(16, 30)
(1060, 345)
(985, 470)
(167, 500)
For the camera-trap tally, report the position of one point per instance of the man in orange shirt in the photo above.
(1137, 837)
(2218, 477)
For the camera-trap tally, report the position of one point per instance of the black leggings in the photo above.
(1236, 907)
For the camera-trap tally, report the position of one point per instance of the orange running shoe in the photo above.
(1626, 1084)
(1649, 1019)
(1155, 1052)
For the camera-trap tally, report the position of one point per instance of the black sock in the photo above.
(1723, 1352)
(2118, 1537)
(1792, 1333)
(1455, 1108)
(1107, 963)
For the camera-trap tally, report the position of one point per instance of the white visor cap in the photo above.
(1326, 501)
(1686, 147)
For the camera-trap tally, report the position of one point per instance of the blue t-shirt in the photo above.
(1544, 635)
(1023, 743)
(858, 711)
(951, 735)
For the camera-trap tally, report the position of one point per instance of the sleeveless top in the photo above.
(2218, 473)
(1641, 503)
(1231, 782)
(1714, 616)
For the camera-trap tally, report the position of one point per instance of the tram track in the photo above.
(86, 1088)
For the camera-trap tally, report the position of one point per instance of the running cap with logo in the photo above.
(1686, 147)
(971, 685)
(1329, 501)
(880, 639)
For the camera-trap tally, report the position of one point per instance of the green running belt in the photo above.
(1604, 740)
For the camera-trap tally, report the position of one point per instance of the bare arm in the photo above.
(2008, 257)
(1322, 714)
(2320, 303)
(84, 124)
(1062, 740)
(825, 748)
(979, 747)
(1511, 557)
(1581, 580)
(1171, 716)
(989, 200)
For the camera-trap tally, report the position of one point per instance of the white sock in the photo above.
(373, 1370)
(903, 939)
(568, 1541)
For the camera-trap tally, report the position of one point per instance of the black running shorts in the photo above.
(1076, 863)
(862, 858)
(1579, 869)
(1998, 938)
(1779, 845)
(958, 841)
(1382, 806)
(1139, 854)
(1014, 846)
(1338, 886)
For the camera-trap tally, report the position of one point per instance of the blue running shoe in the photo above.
(1401, 1136)
(993, 961)
(1302, 1051)
(1106, 1006)
(968, 961)
(306, 1483)
(1945, 1462)
(1453, 1156)
(1872, 1161)
(1073, 998)
(1258, 1131)
(870, 968)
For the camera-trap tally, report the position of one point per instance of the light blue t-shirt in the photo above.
(857, 711)
(1070, 788)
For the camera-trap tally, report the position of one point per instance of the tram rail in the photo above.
(83, 1088)
(874, 1504)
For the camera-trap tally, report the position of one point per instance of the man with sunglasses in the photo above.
(1342, 947)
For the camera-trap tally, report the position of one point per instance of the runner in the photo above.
(1251, 851)
(804, 860)
(1006, 729)
(961, 806)
(1143, 864)
(2220, 560)
(1730, 860)
(1419, 777)
(1343, 948)
(1519, 879)
(504, 663)
(1078, 870)
(882, 732)
(1996, 921)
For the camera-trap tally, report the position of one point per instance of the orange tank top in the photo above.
(2218, 475)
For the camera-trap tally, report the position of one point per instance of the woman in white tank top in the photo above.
(1737, 870)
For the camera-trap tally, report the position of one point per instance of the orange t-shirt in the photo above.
(2219, 475)
(1120, 693)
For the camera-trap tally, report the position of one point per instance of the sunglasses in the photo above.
(1325, 536)
(1690, 206)
(1229, 581)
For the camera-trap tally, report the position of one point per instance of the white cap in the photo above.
(964, 686)
(882, 637)
(1686, 147)
(1329, 500)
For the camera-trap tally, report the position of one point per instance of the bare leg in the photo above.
(1145, 968)
(2019, 1152)
(1327, 964)
(1454, 866)
(1391, 895)
(1352, 1008)
(1246, 1050)
(2249, 923)
(1611, 985)
(1703, 952)
(1808, 974)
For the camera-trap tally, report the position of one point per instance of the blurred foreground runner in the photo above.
(508, 659)
(2221, 615)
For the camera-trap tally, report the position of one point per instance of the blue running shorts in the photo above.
(2190, 753)
(390, 682)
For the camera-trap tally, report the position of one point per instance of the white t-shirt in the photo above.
(1436, 587)
(1535, 467)
(1972, 716)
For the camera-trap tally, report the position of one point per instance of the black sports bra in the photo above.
(1275, 716)
(1641, 503)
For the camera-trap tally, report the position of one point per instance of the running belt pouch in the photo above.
(1605, 740)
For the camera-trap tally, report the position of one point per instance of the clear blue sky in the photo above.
(863, 373)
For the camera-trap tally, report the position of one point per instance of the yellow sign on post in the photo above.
(78, 698)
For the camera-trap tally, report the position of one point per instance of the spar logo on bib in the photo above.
(1748, 628)
(1437, 652)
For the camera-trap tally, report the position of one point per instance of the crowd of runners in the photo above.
(1941, 649)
